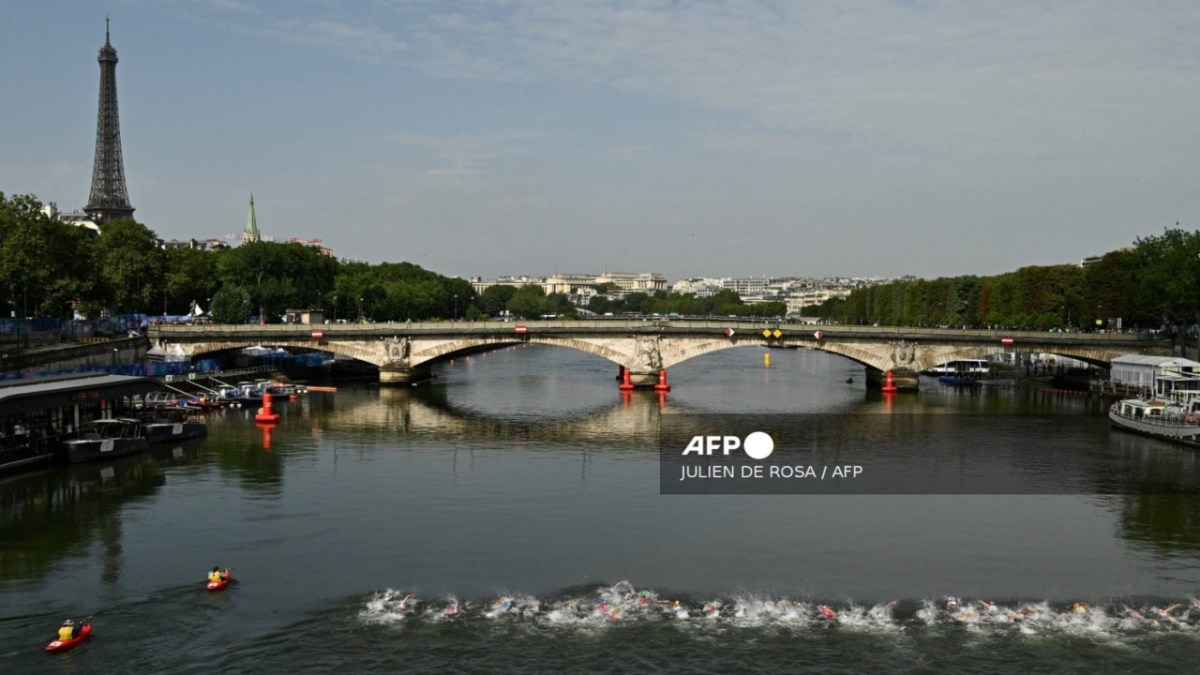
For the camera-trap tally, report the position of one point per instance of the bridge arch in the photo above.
(443, 351)
(347, 349)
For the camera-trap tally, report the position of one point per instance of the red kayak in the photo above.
(218, 585)
(60, 645)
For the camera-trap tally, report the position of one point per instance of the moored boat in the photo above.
(175, 424)
(959, 380)
(107, 438)
(1175, 419)
(960, 367)
(160, 399)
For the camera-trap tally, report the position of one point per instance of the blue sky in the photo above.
(690, 138)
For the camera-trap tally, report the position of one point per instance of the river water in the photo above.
(517, 500)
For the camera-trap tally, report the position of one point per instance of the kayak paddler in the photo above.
(68, 630)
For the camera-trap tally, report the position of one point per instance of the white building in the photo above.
(76, 218)
(1160, 374)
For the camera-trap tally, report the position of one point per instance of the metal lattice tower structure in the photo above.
(109, 199)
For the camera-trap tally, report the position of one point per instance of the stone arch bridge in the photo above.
(404, 352)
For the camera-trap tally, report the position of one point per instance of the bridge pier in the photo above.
(643, 380)
(403, 375)
(903, 379)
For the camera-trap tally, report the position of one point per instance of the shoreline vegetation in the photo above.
(54, 269)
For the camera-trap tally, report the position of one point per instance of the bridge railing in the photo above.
(742, 329)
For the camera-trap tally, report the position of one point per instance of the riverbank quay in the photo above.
(38, 415)
(53, 359)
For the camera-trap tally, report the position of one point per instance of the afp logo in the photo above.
(757, 445)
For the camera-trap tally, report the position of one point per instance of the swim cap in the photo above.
(69, 622)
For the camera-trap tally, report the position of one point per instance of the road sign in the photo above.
(728, 332)
(317, 334)
(521, 330)
(767, 333)
(1006, 341)
(777, 334)
(819, 335)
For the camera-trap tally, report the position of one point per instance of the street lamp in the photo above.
(114, 361)
(455, 317)
(335, 309)
(360, 314)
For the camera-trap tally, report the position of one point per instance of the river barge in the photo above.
(38, 416)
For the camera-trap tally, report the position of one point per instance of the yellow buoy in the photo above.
(766, 360)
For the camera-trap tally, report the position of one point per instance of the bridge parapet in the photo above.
(645, 346)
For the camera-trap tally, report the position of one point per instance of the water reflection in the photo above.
(568, 408)
(49, 514)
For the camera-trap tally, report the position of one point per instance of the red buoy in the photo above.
(889, 387)
(626, 382)
(265, 414)
(662, 381)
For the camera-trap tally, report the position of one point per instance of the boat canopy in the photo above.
(29, 396)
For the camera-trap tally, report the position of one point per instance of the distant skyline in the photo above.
(693, 139)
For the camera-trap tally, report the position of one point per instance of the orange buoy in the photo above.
(265, 414)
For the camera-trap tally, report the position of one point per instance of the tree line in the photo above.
(1153, 283)
(50, 268)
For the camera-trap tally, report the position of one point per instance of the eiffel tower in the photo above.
(109, 199)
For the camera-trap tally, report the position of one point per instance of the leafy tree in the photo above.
(279, 276)
(529, 301)
(131, 265)
(494, 299)
(560, 304)
(191, 276)
(44, 265)
(637, 302)
(231, 304)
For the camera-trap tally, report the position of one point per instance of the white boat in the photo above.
(961, 368)
(1175, 419)
(105, 439)
(175, 424)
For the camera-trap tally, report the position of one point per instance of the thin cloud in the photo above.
(469, 150)
(369, 43)
(981, 76)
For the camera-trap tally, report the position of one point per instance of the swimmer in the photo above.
(951, 603)
(1166, 612)
(643, 597)
(989, 606)
(1080, 608)
(883, 611)
(827, 613)
(402, 606)
(451, 609)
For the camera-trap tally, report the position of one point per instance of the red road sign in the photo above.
(521, 330)
(818, 335)
(728, 332)
(318, 334)
(1006, 341)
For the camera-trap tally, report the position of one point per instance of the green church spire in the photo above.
(251, 233)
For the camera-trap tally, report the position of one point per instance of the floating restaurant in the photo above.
(38, 416)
